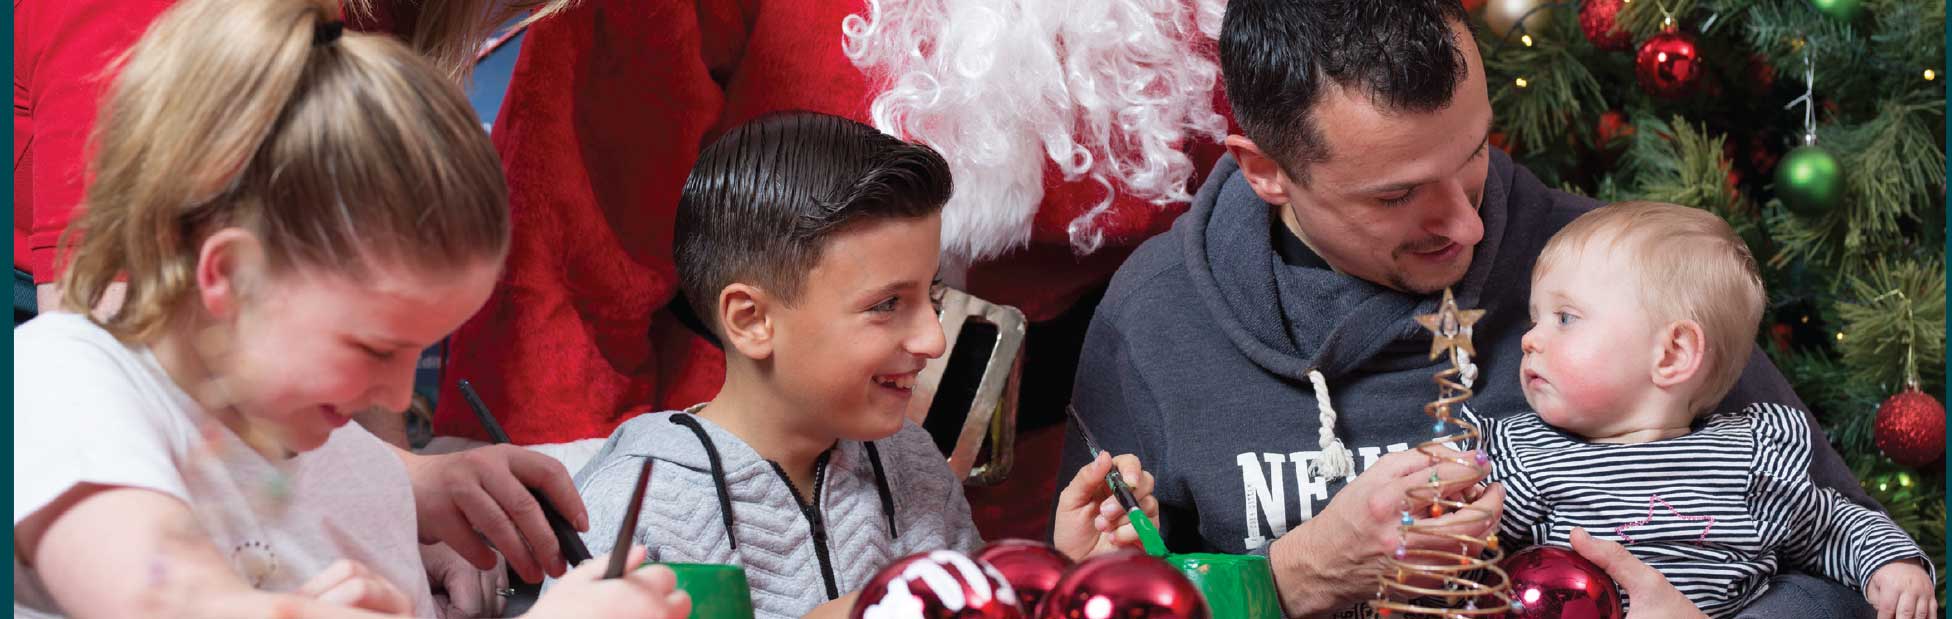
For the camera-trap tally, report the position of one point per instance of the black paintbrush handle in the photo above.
(620, 551)
(571, 542)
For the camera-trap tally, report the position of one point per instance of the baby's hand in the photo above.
(1089, 519)
(1902, 590)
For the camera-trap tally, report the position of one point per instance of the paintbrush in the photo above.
(574, 552)
(1148, 533)
(619, 550)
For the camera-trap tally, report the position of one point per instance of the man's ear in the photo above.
(1680, 351)
(745, 314)
(230, 263)
(1264, 174)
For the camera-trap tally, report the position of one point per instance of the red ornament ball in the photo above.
(942, 584)
(1126, 585)
(1598, 18)
(1472, 6)
(1556, 583)
(1911, 428)
(1613, 125)
(1669, 65)
(1031, 568)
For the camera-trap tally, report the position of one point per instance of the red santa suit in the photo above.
(608, 105)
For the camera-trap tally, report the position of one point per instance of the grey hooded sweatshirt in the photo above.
(875, 503)
(1204, 357)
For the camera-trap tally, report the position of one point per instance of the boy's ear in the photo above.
(1264, 174)
(229, 263)
(1681, 351)
(745, 313)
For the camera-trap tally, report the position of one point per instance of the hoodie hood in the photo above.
(1292, 319)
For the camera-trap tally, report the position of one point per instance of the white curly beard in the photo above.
(1109, 90)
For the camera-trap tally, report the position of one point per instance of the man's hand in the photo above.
(1902, 590)
(1653, 597)
(486, 489)
(1333, 559)
(1089, 520)
(466, 592)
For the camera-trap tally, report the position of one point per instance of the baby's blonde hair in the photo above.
(337, 151)
(1690, 266)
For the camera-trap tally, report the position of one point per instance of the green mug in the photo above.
(1236, 586)
(717, 591)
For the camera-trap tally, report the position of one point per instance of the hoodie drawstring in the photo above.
(1336, 459)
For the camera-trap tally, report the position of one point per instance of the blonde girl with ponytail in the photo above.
(295, 211)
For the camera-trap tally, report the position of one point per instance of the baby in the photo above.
(1643, 317)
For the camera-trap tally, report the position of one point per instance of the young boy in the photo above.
(808, 244)
(1643, 314)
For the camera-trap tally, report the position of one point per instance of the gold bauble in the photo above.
(1503, 15)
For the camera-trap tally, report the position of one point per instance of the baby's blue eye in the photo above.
(1564, 318)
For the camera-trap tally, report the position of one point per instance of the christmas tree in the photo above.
(1816, 128)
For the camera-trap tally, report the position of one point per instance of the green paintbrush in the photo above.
(1148, 533)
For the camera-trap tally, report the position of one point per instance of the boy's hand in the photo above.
(1089, 520)
(649, 591)
(1902, 590)
(349, 583)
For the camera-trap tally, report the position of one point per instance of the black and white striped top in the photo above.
(1717, 511)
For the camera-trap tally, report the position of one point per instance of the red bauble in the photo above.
(1668, 65)
(1556, 583)
(1613, 125)
(1780, 334)
(1126, 585)
(1911, 428)
(1031, 568)
(1472, 6)
(1597, 19)
(943, 584)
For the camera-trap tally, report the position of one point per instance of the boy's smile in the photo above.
(848, 350)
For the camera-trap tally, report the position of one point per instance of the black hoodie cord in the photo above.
(725, 494)
(718, 473)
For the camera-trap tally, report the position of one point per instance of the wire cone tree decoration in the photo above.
(1433, 564)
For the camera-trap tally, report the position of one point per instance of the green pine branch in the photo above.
(1895, 326)
(1893, 168)
(1558, 87)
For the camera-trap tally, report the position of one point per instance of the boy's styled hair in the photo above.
(762, 200)
(1691, 266)
(335, 149)
(1279, 57)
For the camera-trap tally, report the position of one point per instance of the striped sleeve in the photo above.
(1837, 538)
(1524, 507)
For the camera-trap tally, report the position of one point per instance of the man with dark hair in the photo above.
(1261, 357)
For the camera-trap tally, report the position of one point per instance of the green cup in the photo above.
(717, 591)
(1236, 586)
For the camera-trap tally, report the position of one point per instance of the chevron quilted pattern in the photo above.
(681, 521)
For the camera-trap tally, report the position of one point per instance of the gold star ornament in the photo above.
(1450, 327)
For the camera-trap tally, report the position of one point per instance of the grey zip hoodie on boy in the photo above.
(874, 503)
(1231, 359)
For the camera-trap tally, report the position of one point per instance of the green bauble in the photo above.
(1809, 180)
(1840, 10)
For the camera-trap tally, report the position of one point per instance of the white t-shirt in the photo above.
(90, 409)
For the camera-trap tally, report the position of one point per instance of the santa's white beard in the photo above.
(1108, 90)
